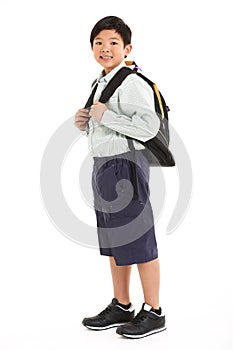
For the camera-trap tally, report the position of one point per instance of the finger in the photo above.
(80, 127)
(82, 112)
(81, 115)
(85, 110)
(80, 124)
(82, 119)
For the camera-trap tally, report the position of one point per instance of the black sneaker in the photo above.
(146, 322)
(113, 316)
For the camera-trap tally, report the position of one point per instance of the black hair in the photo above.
(112, 22)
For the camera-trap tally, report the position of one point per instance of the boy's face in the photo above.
(108, 48)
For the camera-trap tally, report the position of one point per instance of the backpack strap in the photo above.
(91, 97)
(111, 87)
(114, 83)
(160, 106)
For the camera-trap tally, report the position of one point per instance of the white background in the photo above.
(49, 283)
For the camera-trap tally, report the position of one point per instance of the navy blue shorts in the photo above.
(125, 223)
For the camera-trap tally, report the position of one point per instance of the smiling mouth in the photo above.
(106, 58)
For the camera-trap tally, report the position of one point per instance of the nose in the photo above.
(105, 48)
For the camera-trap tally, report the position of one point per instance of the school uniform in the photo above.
(120, 178)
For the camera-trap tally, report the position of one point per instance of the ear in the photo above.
(128, 49)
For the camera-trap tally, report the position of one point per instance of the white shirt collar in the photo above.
(110, 75)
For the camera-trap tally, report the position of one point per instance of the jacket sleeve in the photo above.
(136, 116)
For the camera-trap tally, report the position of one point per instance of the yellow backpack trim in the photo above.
(159, 99)
(129, 63)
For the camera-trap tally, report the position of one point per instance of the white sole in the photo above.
(105, 327)
(144, 335)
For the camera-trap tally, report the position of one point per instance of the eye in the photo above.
(114, 43)
(98, 42)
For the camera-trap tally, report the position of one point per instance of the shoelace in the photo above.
(105, 311)
(139, 317)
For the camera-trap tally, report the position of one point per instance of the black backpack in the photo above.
(156, 149)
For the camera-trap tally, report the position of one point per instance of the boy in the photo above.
(130, 111)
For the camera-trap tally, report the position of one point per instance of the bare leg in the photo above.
(120, 279)
(150, 279)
